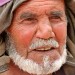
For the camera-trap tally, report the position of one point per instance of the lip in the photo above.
(52, 48)
(43, 49)
(38, 53)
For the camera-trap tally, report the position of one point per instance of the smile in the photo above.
(44, 49)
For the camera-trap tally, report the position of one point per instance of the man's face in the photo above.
(34, 24)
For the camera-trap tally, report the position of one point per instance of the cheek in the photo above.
(61, 33)
(22, 35)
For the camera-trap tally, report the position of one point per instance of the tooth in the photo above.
(40, 49)
(44, 48)
(47, 48)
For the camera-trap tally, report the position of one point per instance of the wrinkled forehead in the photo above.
(39, 4)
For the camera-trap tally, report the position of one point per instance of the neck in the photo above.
(14, 70)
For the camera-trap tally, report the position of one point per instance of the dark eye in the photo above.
(30, 19)
(55, 17)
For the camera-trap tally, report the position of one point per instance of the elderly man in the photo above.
(34, 35)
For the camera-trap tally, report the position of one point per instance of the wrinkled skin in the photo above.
(40, 23)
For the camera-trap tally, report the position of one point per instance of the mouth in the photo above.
(43, 49)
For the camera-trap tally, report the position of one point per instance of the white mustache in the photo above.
(41, 43)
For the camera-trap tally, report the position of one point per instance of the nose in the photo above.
(44, 29)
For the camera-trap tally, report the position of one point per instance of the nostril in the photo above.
(45, 35)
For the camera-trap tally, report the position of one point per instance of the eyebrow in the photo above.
(56, 13)
(26, 15)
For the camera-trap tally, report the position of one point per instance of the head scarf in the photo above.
(7, 8)
(70, 12)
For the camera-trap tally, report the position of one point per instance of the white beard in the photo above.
(32, 67)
